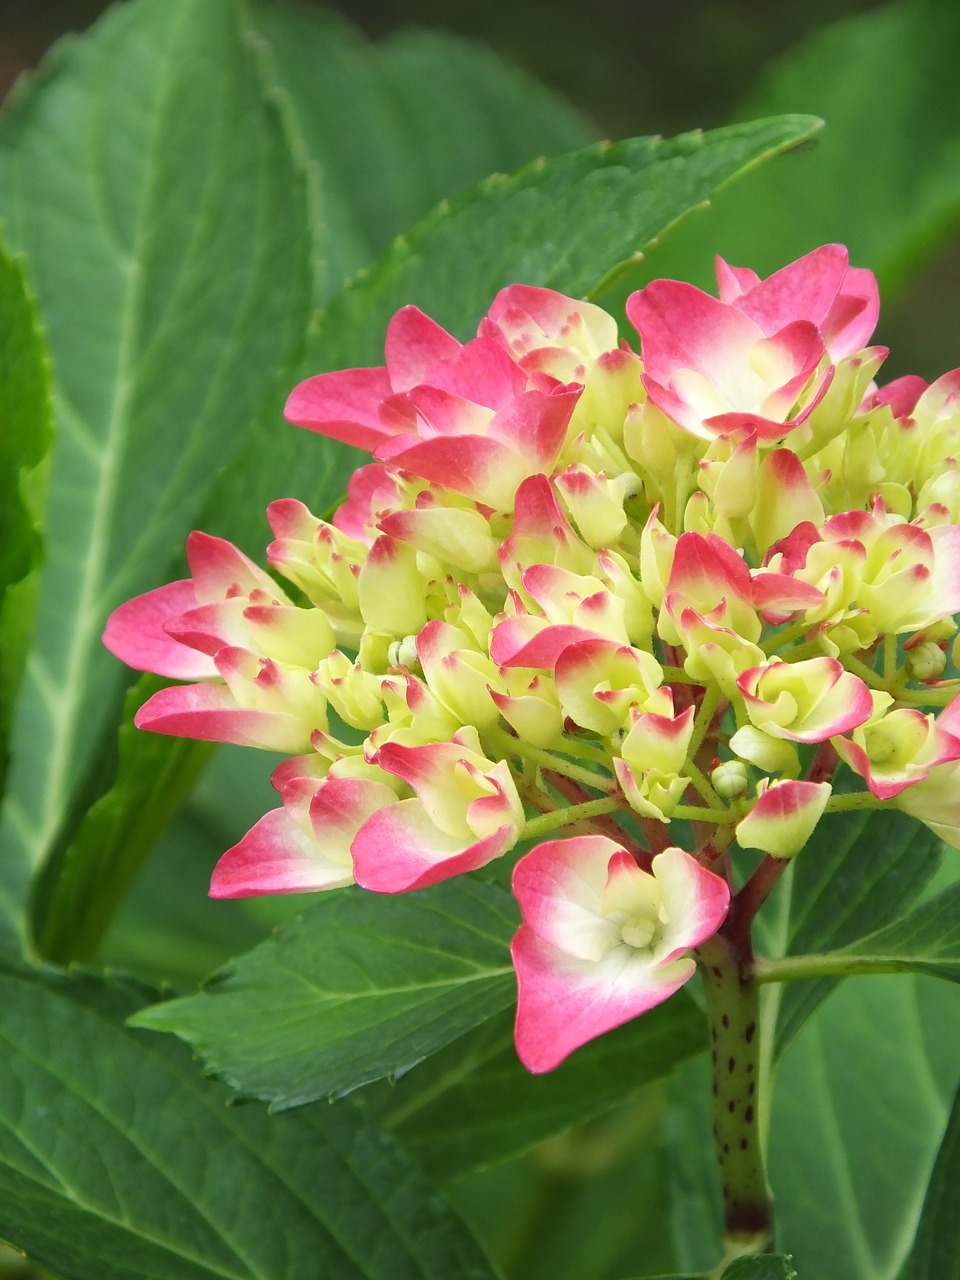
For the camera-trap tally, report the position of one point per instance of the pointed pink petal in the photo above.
(342, 405)
(681, 327)
(802, 290)
(476, 466)
(220, 570)
(209, 713)
(563, 1002)
(542, 651)
(732, 282)
(275, 856)
(134, 633)
(414, 343)
(483, 372)
(399, 848)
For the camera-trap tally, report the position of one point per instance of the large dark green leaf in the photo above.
(393, 129)
(25, 435)
(861, 1100)
(859, 872)
(117, 1160)
(473, 1104)
(150, 182)
(767, 1266)
(935, 1254)
(925, 941)
(362, 987)
(80, 888)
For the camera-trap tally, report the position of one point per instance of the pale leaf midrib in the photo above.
(85, 630)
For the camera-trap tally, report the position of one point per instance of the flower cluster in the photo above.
(590, 588)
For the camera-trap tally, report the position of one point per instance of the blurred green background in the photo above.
(635, 68)
(652, 68)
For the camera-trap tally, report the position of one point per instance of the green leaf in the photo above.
(361, 988)
(25, 436)
(862, 1098)
(82, 884)
(568, 224)
(858, 872)
(168, 930)
(591, 1203)
(765, 1266)
(116, 1160)
(473, 1104)
(167, 230)
(882, 80)
(925, 941)
(429, 116)
(934, 1255)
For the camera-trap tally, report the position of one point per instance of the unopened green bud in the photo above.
(730, 779)
(926, 661)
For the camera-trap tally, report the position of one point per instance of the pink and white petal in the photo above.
(564, 1002)
(850, 323)
(476, 466)
(442, 413)
(134, 633)
(483, 372)
(535, 424)
(209, 713)
(695, 902)
(414, 344)
(342, 405)
(399, 848)
(707, 569)
(554, 314)
(220, 569)
(784, 817)
(559, 885)
(542, 650)
(803, 290)
(681, 327)
(276, 856)
(733, 282)
(371, 490)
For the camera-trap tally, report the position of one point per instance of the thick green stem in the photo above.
(733, 1014)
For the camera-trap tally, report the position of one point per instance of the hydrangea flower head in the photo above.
(640, 597)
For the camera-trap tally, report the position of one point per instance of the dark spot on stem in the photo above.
(748, 1115)
(716, 971)
(731, 1106)
(725, 1020)
(750, 1032)
(713, 1034)
(752, 1088)
(731, 1063)
(716, 1088)
(726, 1148)
(743, 1144)
(713, 1056)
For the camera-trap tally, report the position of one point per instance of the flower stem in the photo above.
(565, 817)
(511, 746)
(734, 1019)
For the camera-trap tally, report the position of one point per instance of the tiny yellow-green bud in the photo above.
(926, 661)
(730, 779)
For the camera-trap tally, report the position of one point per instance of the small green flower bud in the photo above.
(403, 653)
(730, 779)
(926, 661)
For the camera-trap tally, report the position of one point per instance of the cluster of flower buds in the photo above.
(588, 588)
